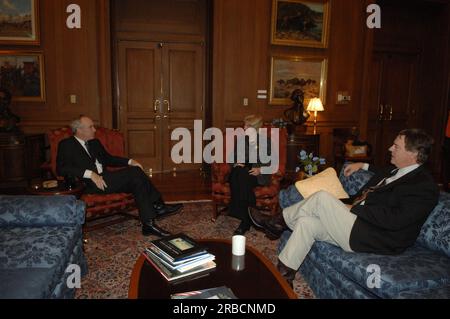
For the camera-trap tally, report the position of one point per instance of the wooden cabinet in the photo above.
(392, 99)
(298, 142)
(21, 157)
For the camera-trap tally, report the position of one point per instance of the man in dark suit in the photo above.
(84, 157)
(384, 218)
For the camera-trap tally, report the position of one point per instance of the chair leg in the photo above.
(275, 209)
(215, 213)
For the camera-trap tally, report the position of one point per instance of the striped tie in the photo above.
(368, 190)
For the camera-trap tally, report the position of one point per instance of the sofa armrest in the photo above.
(353, 183)
(26, 211)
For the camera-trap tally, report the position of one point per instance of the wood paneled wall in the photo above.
(76, 62)
(241, 63)
(79, 62)
(428, 33)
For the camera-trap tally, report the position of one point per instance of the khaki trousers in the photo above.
(321, 217)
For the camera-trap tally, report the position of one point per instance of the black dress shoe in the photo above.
(242, 229)
(257, 217)
(150, 228)
(164, 210)
(287, 273)
(274, 227)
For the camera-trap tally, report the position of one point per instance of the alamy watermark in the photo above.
(374, 19)
(374, 279)
(73, 21)
(235, 152)
(74, 279)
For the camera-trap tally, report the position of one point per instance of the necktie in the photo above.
(368, 190)
(94, 160)
(89, 150)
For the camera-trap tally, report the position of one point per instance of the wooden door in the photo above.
(392, 100)
(140, 105)
(183, 96)
(161, 88)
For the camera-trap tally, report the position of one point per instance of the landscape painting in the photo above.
(19, 22)
(300, 23)
(290, 73)
(22, 73)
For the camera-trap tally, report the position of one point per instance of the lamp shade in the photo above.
(315, 104)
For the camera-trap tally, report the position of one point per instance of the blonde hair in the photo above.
(254, 121)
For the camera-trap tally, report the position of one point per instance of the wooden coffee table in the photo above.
(258, 280)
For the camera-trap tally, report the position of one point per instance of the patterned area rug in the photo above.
(112, 251)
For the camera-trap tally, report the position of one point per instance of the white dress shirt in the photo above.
(400, 173)
(88, 172)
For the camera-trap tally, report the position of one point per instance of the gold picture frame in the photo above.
(22, 73)
(302, 23)
(287, 73)
(19, 22)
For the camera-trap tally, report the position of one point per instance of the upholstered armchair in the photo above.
(266, 196)
(97, 205)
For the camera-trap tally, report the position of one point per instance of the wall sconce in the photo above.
(315, 105)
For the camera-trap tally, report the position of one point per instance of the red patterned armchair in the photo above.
(97, 205)
(266, 196)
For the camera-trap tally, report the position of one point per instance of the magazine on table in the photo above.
(172, 275)
(186, 265)
(222, 292)
(178, 247)
(166, 257)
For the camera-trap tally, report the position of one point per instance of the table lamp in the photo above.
(315, 105)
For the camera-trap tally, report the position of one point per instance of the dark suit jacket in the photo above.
(73, 160)
(392, 216)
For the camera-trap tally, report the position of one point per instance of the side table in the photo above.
(298, 142)
(38, 189)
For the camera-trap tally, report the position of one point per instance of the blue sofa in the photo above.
(422, 271)
(39, 238)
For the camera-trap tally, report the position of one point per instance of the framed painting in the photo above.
(288, 73)
(300, 23)
(19, 22)
(22, 73)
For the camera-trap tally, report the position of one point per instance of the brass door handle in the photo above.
(156, 105)
(157, 117)
(380, 112)
(166, 102)
(390, 112)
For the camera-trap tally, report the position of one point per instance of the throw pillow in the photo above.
(326, 181)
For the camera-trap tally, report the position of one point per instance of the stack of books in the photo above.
(179, 257)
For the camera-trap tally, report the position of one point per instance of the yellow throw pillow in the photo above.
(326, 181)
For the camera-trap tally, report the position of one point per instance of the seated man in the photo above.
(384, 218)
(84, 157)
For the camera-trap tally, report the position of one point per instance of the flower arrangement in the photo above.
(309, 163)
